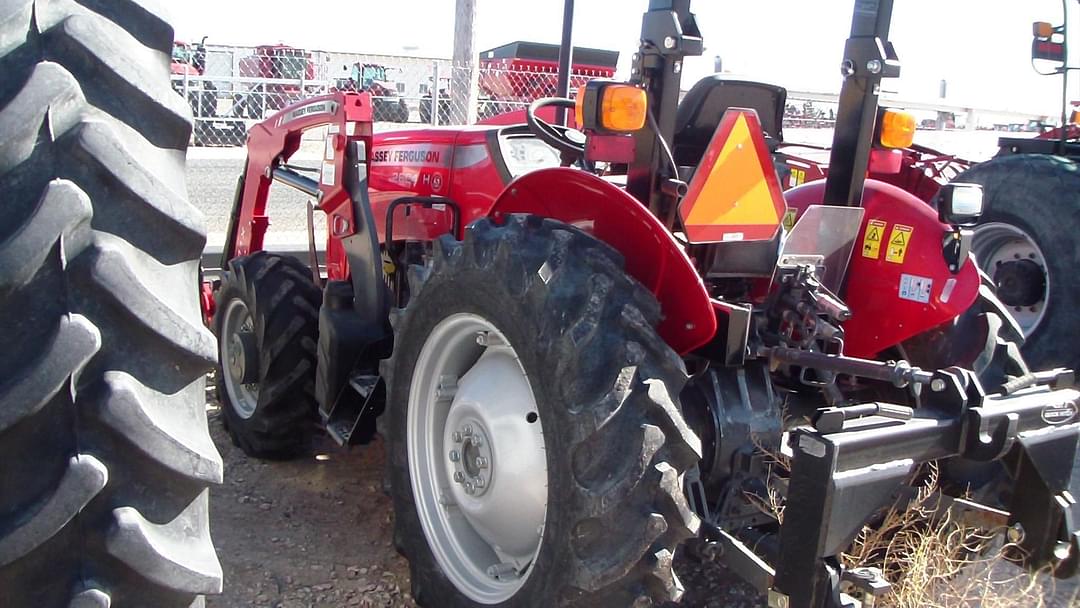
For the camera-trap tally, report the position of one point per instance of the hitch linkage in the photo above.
(856, 462)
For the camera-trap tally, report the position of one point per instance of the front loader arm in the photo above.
(348, 119)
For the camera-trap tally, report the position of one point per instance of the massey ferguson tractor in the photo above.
(584, 349)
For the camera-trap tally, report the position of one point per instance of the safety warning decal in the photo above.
(871, 246)
(798, 177)
(789, 219)
(899, 240)
(916, 289)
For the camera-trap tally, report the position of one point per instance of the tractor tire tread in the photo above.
(103, 423)
(627, 442)
(284, 302)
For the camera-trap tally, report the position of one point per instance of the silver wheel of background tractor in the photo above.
(476, 458)
(240, 359)
(535, 443)
(105, 456)
(1016, 265)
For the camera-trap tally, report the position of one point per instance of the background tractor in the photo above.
(585, 348)
(378, 80)
(278, 62)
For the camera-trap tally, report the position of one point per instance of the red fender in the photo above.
(652, 255)
(884, 304)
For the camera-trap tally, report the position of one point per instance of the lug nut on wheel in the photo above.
(459, 477)
(454, 456)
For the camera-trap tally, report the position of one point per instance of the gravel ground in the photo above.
(312, 532)
(317, 532)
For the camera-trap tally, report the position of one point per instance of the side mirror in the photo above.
(960, 204)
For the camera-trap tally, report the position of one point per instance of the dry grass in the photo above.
(932, 559)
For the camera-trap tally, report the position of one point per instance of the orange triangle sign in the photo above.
(734, 194)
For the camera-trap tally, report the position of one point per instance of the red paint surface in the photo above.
(880, 318)
(652, 255)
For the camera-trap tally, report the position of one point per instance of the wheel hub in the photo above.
(1018, 267)
(239, 354)
(472, 459)
(1020, 283)
(243, 357)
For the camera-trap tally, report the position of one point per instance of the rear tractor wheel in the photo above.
(1025, 242)
(536, 446)
(267, 322)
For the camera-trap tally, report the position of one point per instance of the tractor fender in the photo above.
(653, 257)
(898, 283)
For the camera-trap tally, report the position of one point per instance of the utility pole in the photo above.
(465, 72)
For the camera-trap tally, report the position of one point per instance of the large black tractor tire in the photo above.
(606, 390)
(274, 355)
(105, 456)
(1040, 195)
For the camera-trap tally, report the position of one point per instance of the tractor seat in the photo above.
(700, 112)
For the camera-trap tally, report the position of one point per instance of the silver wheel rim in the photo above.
(997, 245)
(476, 458)
(237, 328)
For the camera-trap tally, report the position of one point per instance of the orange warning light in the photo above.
(734, 194)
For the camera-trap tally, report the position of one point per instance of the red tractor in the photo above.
(582, 347)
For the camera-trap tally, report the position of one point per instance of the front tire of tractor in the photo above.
(267, 323)
(1026, 243)
(529, 346)
(105, 455)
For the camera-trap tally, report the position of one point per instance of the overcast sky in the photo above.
(981, 47)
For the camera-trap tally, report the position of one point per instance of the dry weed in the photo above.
(934, 560)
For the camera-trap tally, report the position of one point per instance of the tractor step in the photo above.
(352, 420)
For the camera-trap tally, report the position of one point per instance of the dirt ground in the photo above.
(309, 533)
(317, 532)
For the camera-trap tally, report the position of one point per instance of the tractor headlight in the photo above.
(960, 204)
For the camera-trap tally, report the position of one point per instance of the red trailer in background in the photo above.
(514, 75)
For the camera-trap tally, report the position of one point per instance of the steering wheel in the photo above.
(570, 142)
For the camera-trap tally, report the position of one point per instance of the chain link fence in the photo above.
(231, 88)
